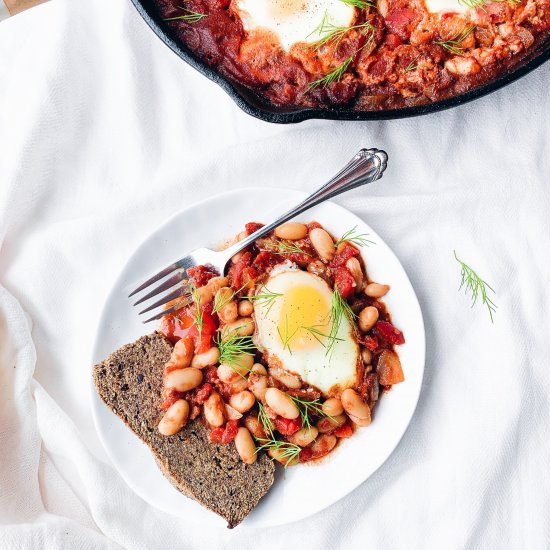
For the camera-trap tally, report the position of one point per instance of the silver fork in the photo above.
(366, 166)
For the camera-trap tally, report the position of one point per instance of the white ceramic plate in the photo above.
(303, 490)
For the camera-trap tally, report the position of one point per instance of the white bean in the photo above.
(354, 405)
(182, 352)
(243, 326)
(304, 436)
(366, 355)
(332, 407)
(216, 283)
(357, 273)
(323, 445)
(238, 386)
(257, 381)
(277, 454)
(231, 413)
(206, 358)
(292, 231)
(322, 242)
(254, 426)
(242, 401)
(174, 418)
(183, 379)
(362, 422)
(245, 446)
(367, 318)
(214, 410)
(376, 290)
(328, 424)
(225, 305)
(246, 308)
(281, 403)
(289, 380)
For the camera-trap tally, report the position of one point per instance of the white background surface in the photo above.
(104, 134)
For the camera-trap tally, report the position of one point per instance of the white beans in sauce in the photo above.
(281, 403)
(182, 353)
(367, 318)
(292, 231)
(174, 418)
(304, 436)
(323, 243)
(245, 446)
(183, 379)
(354, 405)
(214, 410)
(206, 358)
(246, 308)
(376, 290)
(329, 424)
(332, 407)
(242, 401)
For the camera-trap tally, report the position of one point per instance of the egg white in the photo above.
(305, 300)
(292, 21)
(445, 6)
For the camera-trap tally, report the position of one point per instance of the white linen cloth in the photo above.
(104, 133)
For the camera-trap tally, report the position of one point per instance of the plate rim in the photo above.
(95, 400)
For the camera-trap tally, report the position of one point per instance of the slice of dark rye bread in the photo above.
(130, 382)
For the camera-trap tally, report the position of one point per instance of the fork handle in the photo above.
(366, 166)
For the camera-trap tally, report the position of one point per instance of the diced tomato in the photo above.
(287, 427)
(252, 227)
(200, 275)
(248, 277)
(400, 21)
(236, 270)
(349, 251)
(343, 281)
(203, 393)
(195, 412)
(265, 260)
(211, 375)
(392, 41)
(389, 333)
(306, 454)
(216, 435)
(370, 342)
(343, 431)
(170, 399)
(313, 225)
(231, 429)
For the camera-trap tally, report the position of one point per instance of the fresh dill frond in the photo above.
(454, 44)
(265, 420)
(339, 310)
(189, 16)
(308, 409)
(359, 239)
(359, 4)
(232, 347)
(476, 286)
(281, 247)
(412, 66)
(286, 337)
(333, 76)
(285, 450)
(198, 310)
(333, 34)
(266, 297)
(318, 334)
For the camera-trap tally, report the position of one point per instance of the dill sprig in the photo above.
(287, 451)
(412, 66)
(265, 420)
(189, 16)
(333, 76)
(359, 4)
(308, 409)
(454, 44)
(339, 310)
(198, 311)
(219, 302)
(281, 247)
(232, 347)
(318, 334)
(330, 33)
(266, 297)
(285, 339)
(359, 239)
(476, 286)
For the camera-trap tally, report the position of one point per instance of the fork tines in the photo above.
(176, 287)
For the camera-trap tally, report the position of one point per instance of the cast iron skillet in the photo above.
(259, 107)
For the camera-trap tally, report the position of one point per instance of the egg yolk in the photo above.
(304, 318)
